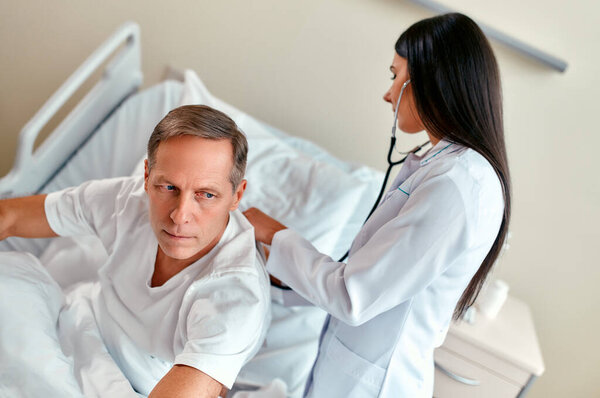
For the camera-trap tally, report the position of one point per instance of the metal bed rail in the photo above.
(121, 77)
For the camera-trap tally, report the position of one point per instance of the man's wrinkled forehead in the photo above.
(195, 157)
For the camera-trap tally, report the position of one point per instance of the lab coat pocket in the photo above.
(355, 376)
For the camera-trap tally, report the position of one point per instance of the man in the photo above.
(182, 284)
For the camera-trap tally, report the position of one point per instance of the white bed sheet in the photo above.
(325, 199)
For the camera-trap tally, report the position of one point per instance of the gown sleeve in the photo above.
(91, 208)
(225, 326)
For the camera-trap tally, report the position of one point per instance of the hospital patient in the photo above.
(183, 291)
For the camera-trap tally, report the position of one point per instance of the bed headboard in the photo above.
(120, 78)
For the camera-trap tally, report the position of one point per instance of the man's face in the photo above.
(190, 195)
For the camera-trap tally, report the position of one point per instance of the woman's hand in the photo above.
(265, 227)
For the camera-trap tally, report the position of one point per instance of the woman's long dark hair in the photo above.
(456, 85)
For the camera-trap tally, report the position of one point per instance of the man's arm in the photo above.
(24, 217)
(184, 381)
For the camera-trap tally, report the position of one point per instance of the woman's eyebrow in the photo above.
(392, 68)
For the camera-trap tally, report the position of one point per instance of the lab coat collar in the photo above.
(414, 162)
(441, 149)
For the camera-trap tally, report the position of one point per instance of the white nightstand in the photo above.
(491, 358)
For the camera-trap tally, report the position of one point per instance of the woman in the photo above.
(425, 252)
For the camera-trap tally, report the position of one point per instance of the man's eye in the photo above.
(166, 188)
(206, 195)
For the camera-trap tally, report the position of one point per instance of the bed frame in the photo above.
(121, 77)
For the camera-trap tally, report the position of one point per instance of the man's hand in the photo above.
(24, 217)
(265, 227)
(184, 381)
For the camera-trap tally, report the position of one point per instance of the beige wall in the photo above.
(318, 68)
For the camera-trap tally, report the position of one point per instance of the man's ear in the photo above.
(146, 173)
(238, 194)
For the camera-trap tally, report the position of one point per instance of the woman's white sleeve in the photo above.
(401, 258)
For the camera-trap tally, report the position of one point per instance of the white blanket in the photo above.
(50, 345)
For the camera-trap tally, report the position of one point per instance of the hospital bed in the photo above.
(324, 198)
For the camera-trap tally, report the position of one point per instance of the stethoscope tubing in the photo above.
(391, 165)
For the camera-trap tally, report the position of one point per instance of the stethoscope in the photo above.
(391, 165)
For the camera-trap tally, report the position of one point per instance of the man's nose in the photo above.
(182, 213)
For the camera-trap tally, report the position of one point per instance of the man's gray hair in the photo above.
(204, 122)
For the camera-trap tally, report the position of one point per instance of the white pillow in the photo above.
(313, 197)
(321, 197)
(32, 363)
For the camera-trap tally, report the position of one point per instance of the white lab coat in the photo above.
(392, 302)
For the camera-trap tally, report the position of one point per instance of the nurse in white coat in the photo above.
(422, 256)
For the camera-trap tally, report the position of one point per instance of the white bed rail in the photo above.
(122, 76)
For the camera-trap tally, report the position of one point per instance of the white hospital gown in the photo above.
(212, 315)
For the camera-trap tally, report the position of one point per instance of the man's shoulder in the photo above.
(124, 197)
(237, 252)
(240, 221)
(114, 186)
(130, 184)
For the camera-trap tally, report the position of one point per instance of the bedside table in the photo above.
(491, 358)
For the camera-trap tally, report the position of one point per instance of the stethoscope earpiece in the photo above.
(398, 106)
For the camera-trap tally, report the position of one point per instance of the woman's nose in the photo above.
(387, 97)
